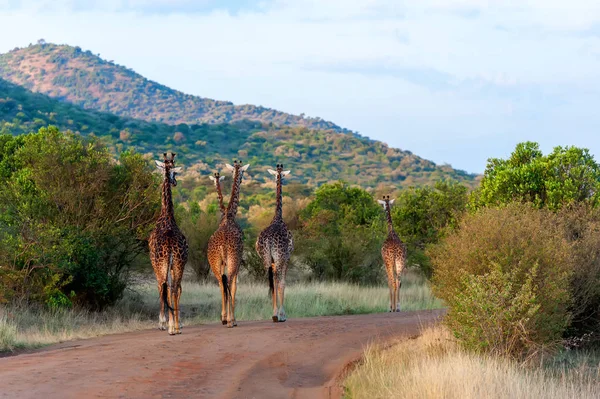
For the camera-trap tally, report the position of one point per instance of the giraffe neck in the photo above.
(235, 195)
(279, 207)
(390, 224)
(220, 197)
(166, 211)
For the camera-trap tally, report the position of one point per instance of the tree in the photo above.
(567, 175)
(341, 234)
(421, 216)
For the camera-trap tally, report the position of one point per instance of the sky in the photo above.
(453, 81)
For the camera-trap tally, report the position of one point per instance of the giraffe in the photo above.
(216, 179)
(394, 256)
(225, 248)
(275, 245)
(168, 251)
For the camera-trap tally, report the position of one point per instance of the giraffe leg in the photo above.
(233, 290)
(171, 301)
(398, 282)
(281, 269)
(162, 318)
(176, 322)
(223, 302)
(391, 285)
(274, 289)
(398, 285)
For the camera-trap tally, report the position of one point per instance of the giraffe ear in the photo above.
(287, 172)
(245, 167)
(271, 171)
(381, 202)
(160, 165)
(230, 167)
(211, 177)
(392, 201)
(177, 169)
(221, 178)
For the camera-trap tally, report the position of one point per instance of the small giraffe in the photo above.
(275, 245)
(168, 251)
(394, 257)
(216, 179)
(225, 248)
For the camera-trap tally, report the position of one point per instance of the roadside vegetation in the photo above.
(434, 365)
(24, 326)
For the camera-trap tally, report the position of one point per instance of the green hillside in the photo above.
(82, 78)
(316, 156)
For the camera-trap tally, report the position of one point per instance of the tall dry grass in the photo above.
(26, 326)
(433, 366)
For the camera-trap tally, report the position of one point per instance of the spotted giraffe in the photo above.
(168, 251)
(216, 179)
(275, 245)
(394, 256)
(225, 249)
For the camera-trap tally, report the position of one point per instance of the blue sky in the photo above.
(454, 81)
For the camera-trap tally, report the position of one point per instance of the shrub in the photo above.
(341, 235)
(72, 220)
(505, 276)
(198, 226)
(581, 224)
(421, 216)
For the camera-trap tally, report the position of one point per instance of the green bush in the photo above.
(422, 215)
(72, 220)
(341, 235)
(198, 226)
(505, 275)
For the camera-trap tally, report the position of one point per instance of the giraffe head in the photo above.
(237, 169)
(216, 178)
(167, 166)
(279, 173)
(386, 202)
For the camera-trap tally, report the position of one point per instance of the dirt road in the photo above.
(301, 358)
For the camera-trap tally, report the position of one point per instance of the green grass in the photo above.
(24, 327)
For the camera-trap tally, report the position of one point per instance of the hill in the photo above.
(82, 78)
(315, 156)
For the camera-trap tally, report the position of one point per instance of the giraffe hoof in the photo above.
(282, 320)
(275, 319)
(224, 322)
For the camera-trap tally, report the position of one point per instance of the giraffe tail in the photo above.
(271, 282)
(165, 294)
(226, 288)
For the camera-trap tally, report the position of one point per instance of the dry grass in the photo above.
(26, 327)
(433, 366)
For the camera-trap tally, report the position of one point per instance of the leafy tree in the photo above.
(421, 216)
(567, 175)
(72, 220)
(341, 234)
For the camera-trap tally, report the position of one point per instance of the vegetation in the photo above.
(26, 326)
(505, 276)
(435, 366)
(565, 176)
(423, 215)
(85, 79)
(522, 270)
(72, 221)
(315, 156)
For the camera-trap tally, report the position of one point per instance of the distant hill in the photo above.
(82, 78)
(315, 156)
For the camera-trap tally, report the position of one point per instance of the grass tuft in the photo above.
(434, 366)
